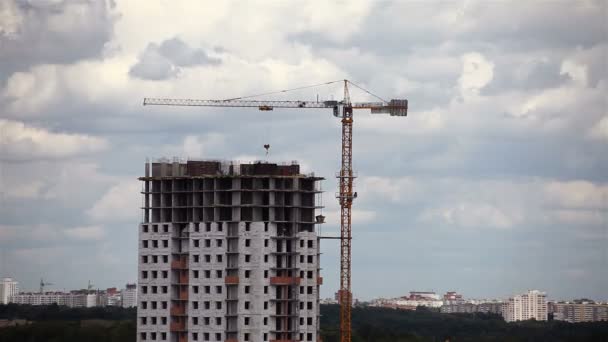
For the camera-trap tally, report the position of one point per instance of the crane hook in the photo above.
(267, 147)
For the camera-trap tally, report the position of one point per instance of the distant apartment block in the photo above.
(129, 296)
(411, 302)
(530, 305)
(580, 311)
(111, 297)
(228, 252)
(73, 299)
(8, 288)
(452, 297)
(488, 307)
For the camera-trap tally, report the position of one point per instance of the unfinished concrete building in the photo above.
(228, 252)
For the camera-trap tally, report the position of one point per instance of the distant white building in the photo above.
(114, 299)
(411, 302)
(129, 296)
(530, 305)
(328, 301)
(427, 295)
(8, 288)
(72, 299)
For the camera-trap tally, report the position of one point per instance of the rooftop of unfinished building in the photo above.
(205, 168)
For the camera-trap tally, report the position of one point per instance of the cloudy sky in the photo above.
(496, 182)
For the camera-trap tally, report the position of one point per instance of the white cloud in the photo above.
(21, 142)
(164, 61)
(119, 204)
(85, 233)
(196, 147)
(29, 190)
(577, 194)
(10, 20)
(576, 72)
(193, 146)
(477, 72)
(31, 91)
(469, 215)
(399, 189)
(67, 185)
(359, 216)
(600, 129)
(578, 217)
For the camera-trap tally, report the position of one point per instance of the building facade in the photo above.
(530, 305)
(129, 296)
(228, 252)
(579, 312)
(8, 288)
(488, 307)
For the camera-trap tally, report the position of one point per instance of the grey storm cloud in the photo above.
(52, 32)
(533, 75)
(432, 24)
(164, 61)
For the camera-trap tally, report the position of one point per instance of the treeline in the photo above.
(71, 331)
(54, 323)
(60, 313)
(388, 325)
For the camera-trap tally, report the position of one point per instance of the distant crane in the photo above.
(43, 284)
(341, 109)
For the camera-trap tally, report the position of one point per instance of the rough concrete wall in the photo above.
(216, 249)
(309, 282)
(260, 269)
(160, 266)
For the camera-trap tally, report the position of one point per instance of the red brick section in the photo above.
(183, 294)
(177, 326)
(231, 280)
(183, 277)
(179, 310)
(284, 281)
(179, 264)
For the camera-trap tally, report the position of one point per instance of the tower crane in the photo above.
(341, 109)
(43, 284)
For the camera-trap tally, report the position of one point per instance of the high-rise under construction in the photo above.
(228, 252)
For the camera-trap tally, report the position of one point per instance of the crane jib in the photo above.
(394, 107)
